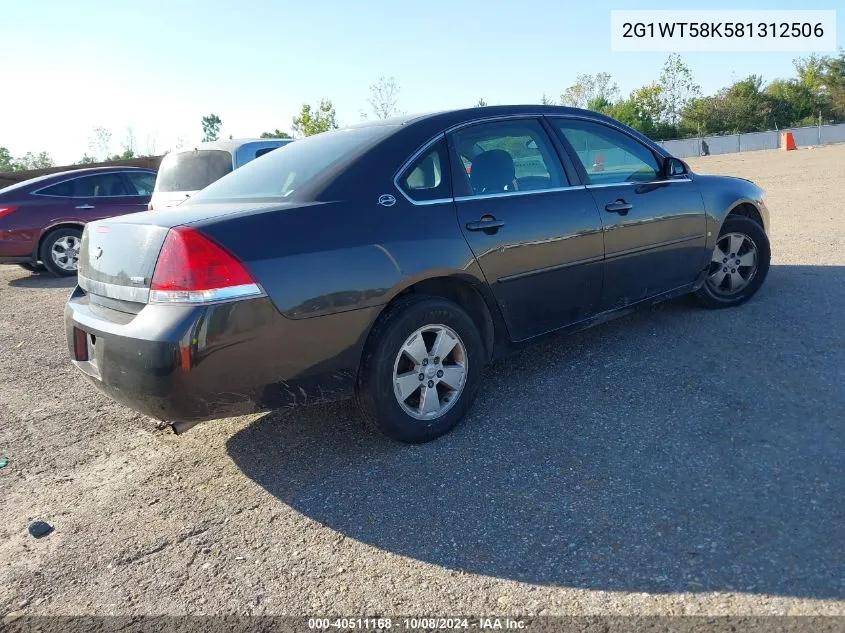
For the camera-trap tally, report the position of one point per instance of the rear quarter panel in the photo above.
(331, 257)
(21, 230)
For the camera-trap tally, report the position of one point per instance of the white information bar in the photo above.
(683, 30)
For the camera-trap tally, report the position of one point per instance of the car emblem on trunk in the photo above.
(98, 252)
(386, 200)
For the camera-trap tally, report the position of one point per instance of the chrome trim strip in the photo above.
(204, 297)
(548, 269)
(508, 194)
(113, 291)
(648, 247)
(627, 183)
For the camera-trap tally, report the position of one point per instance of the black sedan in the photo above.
(394, 260)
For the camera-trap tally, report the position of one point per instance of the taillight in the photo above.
(6, 210)
(149, 206)
(192, 268)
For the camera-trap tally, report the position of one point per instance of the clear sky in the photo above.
(160, 65)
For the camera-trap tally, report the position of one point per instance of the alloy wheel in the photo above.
(430, 372)
(733, 265)
(65, 252)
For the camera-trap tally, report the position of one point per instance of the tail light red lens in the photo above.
(6, 210)
(192, 268)
(149, 206)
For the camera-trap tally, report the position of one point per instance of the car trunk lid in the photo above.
(117, 257)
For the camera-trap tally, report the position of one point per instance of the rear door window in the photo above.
(99, 186)
(193, 170)
(143, 183)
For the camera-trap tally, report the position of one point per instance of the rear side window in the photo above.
(193, 170)
(264, 150)
(608, 155)
(427, 178)
(142, 182)
(99, 186)
(62, 189)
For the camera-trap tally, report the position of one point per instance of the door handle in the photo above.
(486, 223)
(620, 206)
(84, 206)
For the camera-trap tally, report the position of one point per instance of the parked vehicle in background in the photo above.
(41, 219)
(184, 172)
(368, 260)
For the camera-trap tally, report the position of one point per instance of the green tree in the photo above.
(100, 143)
(320, 119)
(678, 87)
(126, 155)
(480, 103)
(7, 163)
(791, 102)
(86, 160)
(42, 160)
(211, 127)
(545, 100)
(277, 133)
(588, 89)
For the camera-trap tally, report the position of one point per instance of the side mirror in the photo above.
(675, 167)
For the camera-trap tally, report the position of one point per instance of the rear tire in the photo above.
(404, 345)
(739, 264)
(60, 250)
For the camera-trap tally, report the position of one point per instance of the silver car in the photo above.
(184, 172)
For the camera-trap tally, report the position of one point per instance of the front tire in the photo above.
(60, 250)
(421, 369)
(739, 264)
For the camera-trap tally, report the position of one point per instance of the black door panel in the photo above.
(544, 263)
(655, 245)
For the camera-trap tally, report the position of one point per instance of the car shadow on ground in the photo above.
(676, 449)
(41, 280)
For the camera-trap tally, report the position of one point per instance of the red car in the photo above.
(41, 219)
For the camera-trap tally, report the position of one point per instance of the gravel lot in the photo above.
(676, 461)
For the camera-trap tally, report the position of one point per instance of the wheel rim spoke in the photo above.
(407, 384)
(443, 344)
(453, 376)
(718, 277)
(718, 254)
(416, 349)
(429, 400)
(736, 243)
(748, 259)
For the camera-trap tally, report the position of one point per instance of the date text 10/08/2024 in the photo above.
(426, 623)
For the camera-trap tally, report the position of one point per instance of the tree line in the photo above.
(671, 106)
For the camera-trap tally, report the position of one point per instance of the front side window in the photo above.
(99, 186)
(143, 182)
(427, 177)
(506, 157)
(608, 155)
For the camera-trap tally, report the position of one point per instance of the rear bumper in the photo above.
(196, 363)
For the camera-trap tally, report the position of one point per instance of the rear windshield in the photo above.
(193, 170)
(285, 170)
